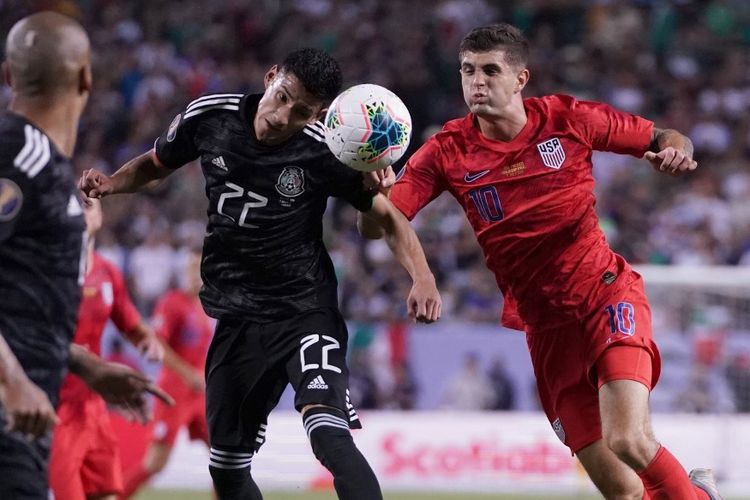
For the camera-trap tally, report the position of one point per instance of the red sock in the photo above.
(134, 481)
(665, 479)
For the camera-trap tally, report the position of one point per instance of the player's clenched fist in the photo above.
(94, 184)
(27, 408)
(424, 302)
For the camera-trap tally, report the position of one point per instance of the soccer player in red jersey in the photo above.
(186, 332)
(521, 169)
(84, 461)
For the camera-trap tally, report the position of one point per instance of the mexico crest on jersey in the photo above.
(552, 152)
(291, 182)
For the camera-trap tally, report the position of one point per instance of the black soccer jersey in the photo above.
(41, 250)
(263, 255)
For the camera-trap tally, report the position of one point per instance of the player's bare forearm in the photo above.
(26, 407)
(663, 138)
(10, 368)
(400, 237)
(81, 361)
(145, 340)
(368, 227)
(141, 172)
(177, 364)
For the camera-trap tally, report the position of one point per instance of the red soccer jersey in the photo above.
(531, 202)
(104, 296)
(179, 319)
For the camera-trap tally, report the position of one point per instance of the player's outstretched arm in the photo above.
(145, 340)
(116, 383)
(192, 377)
(670, 152)
(424, 301)
(141, 172)
(27, 408)
(383, 180)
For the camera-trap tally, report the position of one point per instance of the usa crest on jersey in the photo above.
(552, 153)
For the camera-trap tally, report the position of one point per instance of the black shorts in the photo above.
(250, 364)
(23, 466)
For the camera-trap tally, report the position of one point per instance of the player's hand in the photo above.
(671, 160)
(122, 386)
(151, 348)
(27, 408)
(424, 303)
(383, 180)
(94, 184)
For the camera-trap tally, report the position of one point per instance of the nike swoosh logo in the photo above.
(472, 177)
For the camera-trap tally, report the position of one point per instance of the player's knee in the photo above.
(628, 445)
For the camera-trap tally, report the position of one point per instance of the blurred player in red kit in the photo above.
(85, 460)
(186, 332)
(521, 169)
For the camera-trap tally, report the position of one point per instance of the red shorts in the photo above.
(85, 457)
(570, 365)
(189, 411)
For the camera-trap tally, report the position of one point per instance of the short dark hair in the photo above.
(317, 70)
(501, 36)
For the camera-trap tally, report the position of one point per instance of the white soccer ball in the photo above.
(368, 127)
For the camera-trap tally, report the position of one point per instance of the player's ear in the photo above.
(321, 114)
(85, 79)
(270, 75)
(522, 78)
(6, 75)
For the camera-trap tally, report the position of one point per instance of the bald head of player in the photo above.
(48, 66)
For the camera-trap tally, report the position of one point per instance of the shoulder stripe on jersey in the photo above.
(198, 111)
(315, 135)
(319, 126)
(211, 102)
(35, 153)
(208, 99)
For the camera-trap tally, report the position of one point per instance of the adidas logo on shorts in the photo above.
(317, 383)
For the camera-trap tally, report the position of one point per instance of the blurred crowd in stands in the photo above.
(683, 63)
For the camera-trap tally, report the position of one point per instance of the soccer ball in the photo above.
(368, 127)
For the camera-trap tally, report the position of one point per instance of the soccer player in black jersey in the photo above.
(267, 275)
(42, 249)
